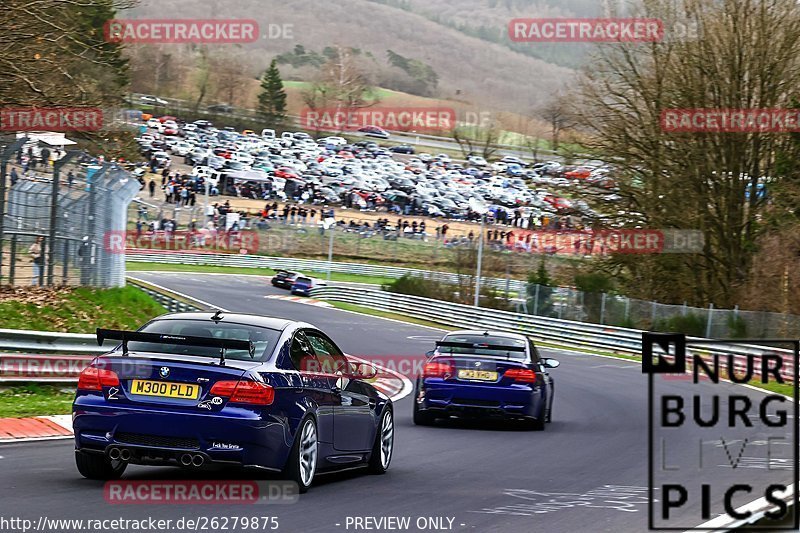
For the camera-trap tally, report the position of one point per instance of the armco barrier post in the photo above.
(710, 320)
(603, 309)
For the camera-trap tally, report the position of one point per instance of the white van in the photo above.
(287, 135)
(267, 133)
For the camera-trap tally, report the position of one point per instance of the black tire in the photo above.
(292, 469)
(536, 424)
(98, 466)
(376, 464)
(422, 418)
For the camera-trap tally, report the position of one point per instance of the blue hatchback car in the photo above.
(485, 374)
(303, 284)
(196, 389)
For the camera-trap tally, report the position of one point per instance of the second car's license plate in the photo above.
(479, 375)
(165, 389)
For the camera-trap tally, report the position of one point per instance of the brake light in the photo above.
(435, 369)
(224, 388)
(244, 391)
(93, 378)
(524, 375)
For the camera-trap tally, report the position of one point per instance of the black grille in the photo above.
(481, 403)
(157, 441)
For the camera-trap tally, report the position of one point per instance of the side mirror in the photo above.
(550, 363)
(430, 353)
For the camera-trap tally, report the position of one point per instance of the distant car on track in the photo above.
(485, 374)
(284, 279)
(303, 284)
(229, 390)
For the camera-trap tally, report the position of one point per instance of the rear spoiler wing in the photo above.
(474, 345)
(184, 340)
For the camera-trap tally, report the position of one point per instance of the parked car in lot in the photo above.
(485, 374)
(199, 390)
(510, 159)
(284, 279)
(162, 158)
(303, 284)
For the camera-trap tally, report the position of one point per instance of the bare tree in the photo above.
(477, 140)
(341, 86)
(556, 112)
(747, 58)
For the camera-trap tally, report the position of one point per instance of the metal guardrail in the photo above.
(566, 333)
(172, 302)
(311, 265)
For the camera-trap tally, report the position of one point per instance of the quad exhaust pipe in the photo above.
(122, 454)
(195, 460)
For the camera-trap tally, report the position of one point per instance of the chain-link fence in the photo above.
(614, 310)
(57, 216)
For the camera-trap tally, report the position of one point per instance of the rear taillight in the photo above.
(244, 391)
(435, 369)
(93, 378)
(524, 375)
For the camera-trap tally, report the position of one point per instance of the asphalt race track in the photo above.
(486, 477)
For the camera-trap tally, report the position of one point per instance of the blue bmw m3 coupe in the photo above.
(485, 374)
(196, 389)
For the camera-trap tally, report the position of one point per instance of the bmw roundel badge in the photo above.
(163, 371)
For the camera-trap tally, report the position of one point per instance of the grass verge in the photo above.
(210, 269)
(34, 399)
(77, 310)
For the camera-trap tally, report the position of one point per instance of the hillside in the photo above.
(468, 68)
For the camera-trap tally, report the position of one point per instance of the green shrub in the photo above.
(690, 324)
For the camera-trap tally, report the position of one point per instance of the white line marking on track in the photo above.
(182, 294)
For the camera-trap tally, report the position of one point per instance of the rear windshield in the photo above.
(479, 343)
(264, 339)
(303, 280)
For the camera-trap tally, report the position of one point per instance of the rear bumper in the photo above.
(162, 437)
(474, 400)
